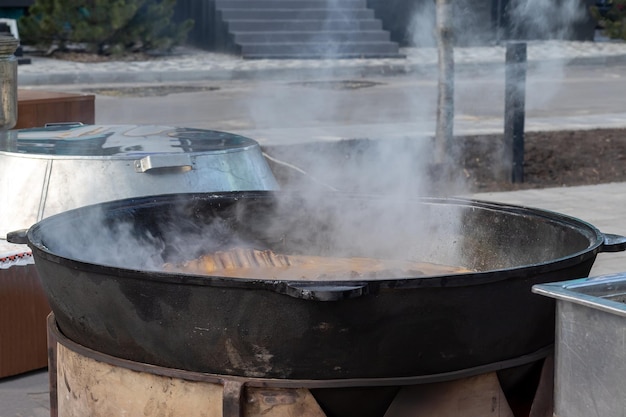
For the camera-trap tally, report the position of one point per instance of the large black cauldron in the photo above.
(100, 267)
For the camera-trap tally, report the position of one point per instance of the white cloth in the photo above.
(13, 255)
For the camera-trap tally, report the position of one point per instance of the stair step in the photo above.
(319, 36)
(255, 25)
(290, 4)
(276, 29)
(320, 49)
(303, 55)
(299, 14)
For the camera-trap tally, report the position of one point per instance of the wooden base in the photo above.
(479, 396)
(84, 383)
(36, 108)
(86, 387)
(23, 311)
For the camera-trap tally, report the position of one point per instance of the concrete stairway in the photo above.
(305, 29)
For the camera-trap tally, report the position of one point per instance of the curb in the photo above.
(291, 73)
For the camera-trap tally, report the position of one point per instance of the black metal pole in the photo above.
(514, 108)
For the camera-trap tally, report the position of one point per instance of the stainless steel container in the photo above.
(49, 170)
(590, 346)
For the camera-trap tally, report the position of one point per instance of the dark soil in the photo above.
(551, 159)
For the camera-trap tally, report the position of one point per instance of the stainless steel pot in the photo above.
(53, 169)
(590, 334)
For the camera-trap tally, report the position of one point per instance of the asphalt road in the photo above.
(327, 108)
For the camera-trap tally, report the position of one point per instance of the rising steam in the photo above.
(546, 19)
(399, 169)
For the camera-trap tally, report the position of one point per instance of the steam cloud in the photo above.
(174, 231)
(397, 168)
(547, 19)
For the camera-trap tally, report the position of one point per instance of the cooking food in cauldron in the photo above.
(266, 264)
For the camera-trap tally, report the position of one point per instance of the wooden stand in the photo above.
(86, 382)
(36, 108)
(23, 311)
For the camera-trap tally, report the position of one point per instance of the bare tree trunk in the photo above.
(445, 105)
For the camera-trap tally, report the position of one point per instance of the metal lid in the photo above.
(121, 141)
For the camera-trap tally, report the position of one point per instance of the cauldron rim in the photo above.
(595, 237)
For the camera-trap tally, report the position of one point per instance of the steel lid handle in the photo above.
(163, 162)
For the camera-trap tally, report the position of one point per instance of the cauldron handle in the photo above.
(18, 237)
(613, 243)
(326, 291)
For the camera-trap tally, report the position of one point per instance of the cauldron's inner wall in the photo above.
(146, 235)
(494, 239)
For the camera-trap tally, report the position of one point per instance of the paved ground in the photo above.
(570, 85)
(194, 65)
(600, 205)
